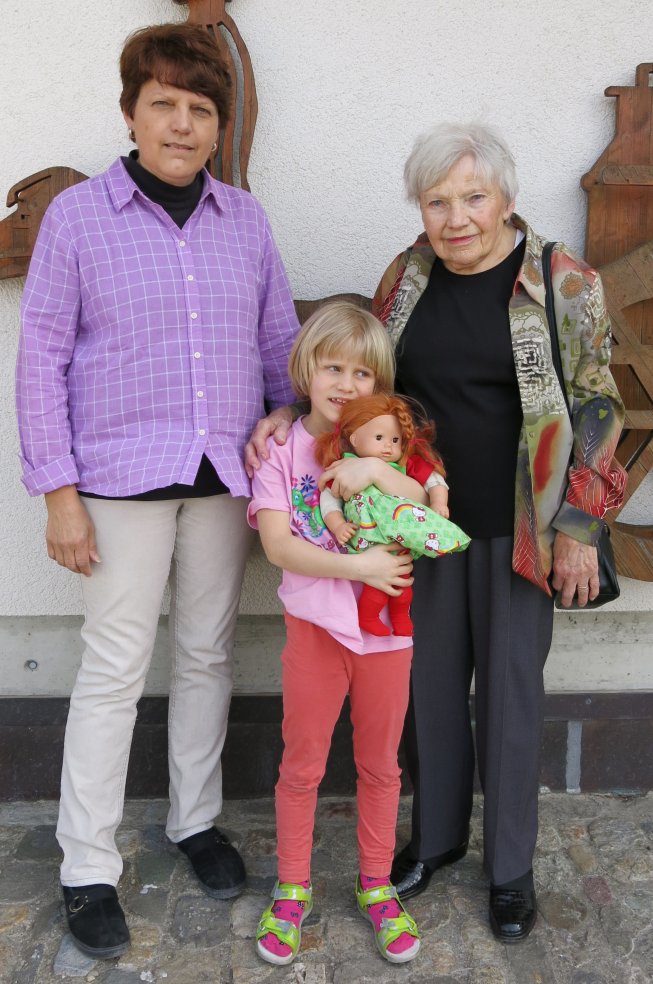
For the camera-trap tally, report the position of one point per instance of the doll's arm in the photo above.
(338, 525)
(334, 519)
(438, 493)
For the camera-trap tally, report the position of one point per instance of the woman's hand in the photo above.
(70, 534)
(575, 570)
(276, 424)
(384, 568)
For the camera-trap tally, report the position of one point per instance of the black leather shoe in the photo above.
(512, 913)
(410, 876)
(216, 862)
(96, 920)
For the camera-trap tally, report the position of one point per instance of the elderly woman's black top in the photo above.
(455, 356)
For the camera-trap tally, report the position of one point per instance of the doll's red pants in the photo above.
(371, 603)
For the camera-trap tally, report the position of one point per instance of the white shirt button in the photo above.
(193, 314)
(202, 432)
(190, 277)
(198, 355)
(200, 392)
(182, 242)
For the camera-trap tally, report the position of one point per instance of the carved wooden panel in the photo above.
(619, 236)
(229, 164)
(305, 309)
(18, 231)
(628, 285)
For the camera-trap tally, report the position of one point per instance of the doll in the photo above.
(382, 426)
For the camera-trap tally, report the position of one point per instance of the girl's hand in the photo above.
(350, 475)
(384, 568)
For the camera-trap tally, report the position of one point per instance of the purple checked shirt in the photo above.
(144, 346)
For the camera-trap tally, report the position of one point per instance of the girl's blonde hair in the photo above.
(341, 328)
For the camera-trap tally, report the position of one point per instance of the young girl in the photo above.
(382, 426)
(341, 353)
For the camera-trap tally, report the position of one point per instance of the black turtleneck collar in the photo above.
(178, 201)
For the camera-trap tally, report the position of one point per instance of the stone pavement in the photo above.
(594, 871)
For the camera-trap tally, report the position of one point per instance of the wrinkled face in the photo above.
(465, 219)
(174, 130)
(378, 438)
(336, 381)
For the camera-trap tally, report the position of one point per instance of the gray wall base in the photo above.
(592, 743)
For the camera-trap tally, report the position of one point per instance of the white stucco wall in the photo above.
(343, 88)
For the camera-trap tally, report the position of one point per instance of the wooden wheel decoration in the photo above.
(629, 288)
(620, 243)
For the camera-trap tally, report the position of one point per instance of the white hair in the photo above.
(436, 151)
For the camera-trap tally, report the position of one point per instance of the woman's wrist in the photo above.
(64, 495)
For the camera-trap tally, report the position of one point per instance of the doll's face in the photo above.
(378, 438)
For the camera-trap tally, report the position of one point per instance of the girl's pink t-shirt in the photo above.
(287, 482)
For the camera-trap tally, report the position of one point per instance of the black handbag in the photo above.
(608, 583)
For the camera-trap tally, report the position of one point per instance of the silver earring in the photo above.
(214, 148)
(131, 135)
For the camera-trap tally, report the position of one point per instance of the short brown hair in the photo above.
(184, 55)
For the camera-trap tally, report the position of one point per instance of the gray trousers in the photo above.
(474, 616)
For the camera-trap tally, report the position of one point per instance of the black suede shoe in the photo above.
(215, 861)
(410, 876)
(512, 913)
(96, 921)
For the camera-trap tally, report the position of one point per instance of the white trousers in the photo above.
(202, 545)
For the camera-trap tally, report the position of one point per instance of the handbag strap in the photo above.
(553, 327)
(551, 318)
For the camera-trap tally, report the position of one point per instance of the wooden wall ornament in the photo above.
(229, 163)
(18, 231)
(32, 195)
(620, 244)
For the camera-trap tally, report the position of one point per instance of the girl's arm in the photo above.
(381, 567)
(351, 475)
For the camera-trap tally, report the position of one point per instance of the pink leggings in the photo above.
(318, 673)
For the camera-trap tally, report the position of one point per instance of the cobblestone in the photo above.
(593, 867)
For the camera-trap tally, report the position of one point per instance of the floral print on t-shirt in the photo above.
(307, 517)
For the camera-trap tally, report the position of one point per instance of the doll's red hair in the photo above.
(415, 439)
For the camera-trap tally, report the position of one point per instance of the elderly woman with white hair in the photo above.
(465, 307)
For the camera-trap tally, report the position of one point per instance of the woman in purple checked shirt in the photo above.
(157, 319)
